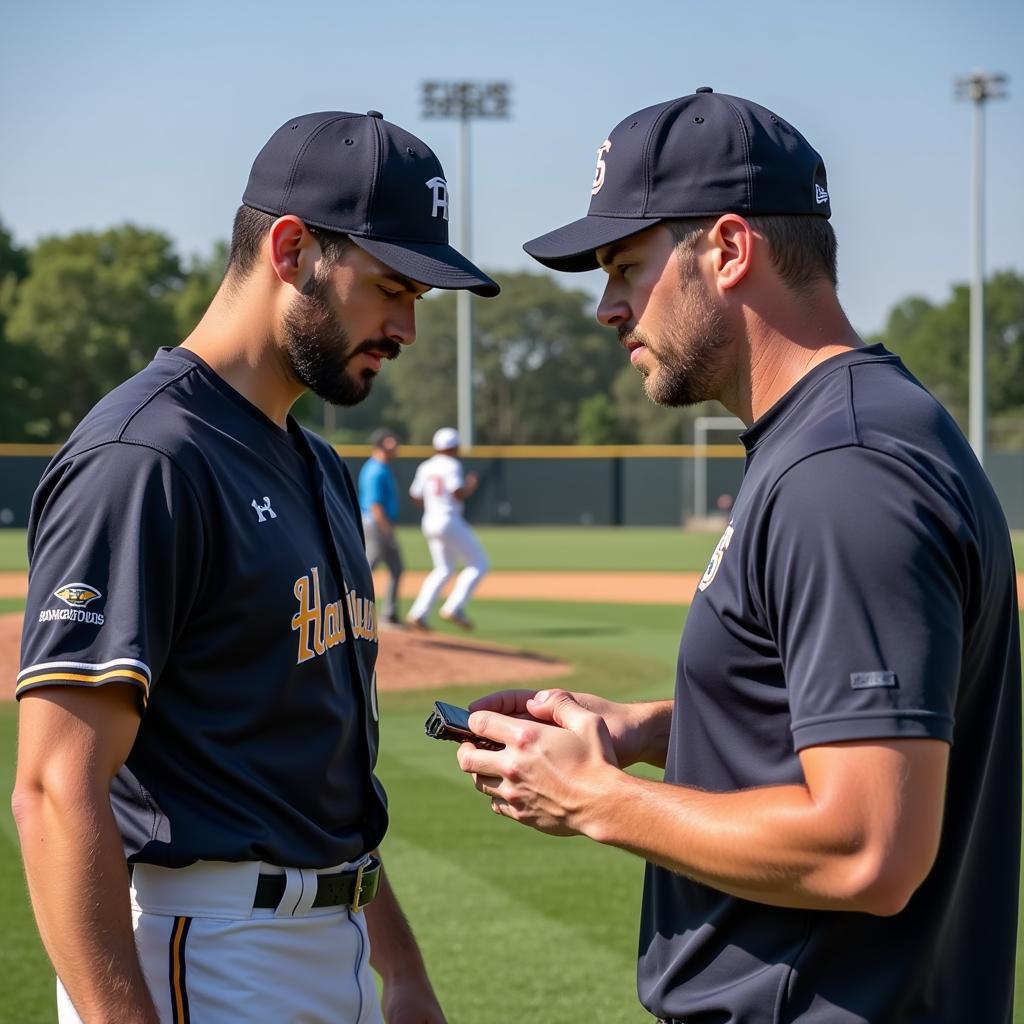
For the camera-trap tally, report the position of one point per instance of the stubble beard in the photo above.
(318, 351)
(690, 354)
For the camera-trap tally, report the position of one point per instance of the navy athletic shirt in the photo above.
(185, 544)
(864, 589)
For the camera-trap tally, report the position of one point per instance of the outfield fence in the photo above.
(599, 485)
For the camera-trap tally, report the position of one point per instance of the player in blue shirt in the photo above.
(195, 795)
(837, 836)
(378, 501)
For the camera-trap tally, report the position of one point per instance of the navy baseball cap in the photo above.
(369, 179)
(696, 156)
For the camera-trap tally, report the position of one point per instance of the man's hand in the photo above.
(638, 732)
(381, 521)
(468, 488)
(551, 769)
(408, 997)
(411, 1002)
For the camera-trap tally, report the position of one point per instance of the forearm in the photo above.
(78, 883)
(773, 845)
(859, 832)
(394, 954)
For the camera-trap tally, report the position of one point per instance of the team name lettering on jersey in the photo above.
(321, 626)
(71, 615)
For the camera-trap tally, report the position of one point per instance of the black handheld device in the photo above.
(448, 722)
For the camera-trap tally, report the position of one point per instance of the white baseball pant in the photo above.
(451, 542)
(209, 957)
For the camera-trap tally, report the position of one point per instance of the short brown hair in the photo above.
(803, 249)
(251, 227)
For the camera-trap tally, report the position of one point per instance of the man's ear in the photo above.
(732, 242)
(293, 251)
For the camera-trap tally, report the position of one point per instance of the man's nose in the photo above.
(613, 309)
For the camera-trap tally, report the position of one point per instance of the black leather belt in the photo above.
(346, 888)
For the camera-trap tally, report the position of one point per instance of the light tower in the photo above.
(463, 102)
(978, 88)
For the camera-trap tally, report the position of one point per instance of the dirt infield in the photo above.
(13, 584)
(600, 587)
(603, 587)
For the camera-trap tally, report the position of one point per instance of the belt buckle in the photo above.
(357, 889)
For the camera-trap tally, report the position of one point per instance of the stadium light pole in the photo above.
(978, 88)
(464, 102)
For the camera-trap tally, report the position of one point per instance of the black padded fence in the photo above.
(626, 487)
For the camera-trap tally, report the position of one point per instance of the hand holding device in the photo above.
(448, 722)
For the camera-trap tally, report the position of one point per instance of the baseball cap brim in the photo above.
(437, 265)
(571, 248)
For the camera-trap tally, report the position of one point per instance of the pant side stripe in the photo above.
(179, 990)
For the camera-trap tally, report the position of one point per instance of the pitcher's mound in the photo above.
(407, 660)
(414, 660)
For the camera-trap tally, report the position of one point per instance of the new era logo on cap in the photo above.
(362, 176)
(696, 156)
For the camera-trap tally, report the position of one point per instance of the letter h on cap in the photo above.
(440, 190)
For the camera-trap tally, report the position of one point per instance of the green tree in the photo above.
(13, 362)
(933, 341)
(597, 421)
(201, 281)
(13, 259)
(643, 422)
(420, 384)
(93, 309)
(538, 354)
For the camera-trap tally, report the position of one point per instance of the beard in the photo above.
(318, 350)
(690, 354)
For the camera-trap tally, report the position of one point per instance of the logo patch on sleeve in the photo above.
(872, 680)
(76, 596)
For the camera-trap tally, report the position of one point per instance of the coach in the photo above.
(837, 836)
(196, 798)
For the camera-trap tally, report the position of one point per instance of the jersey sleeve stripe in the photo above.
(87, 666)
(81, 679)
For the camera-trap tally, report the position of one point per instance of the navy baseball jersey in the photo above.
(183, 543)
(864, 589)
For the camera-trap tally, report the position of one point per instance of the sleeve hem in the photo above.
(887, 724)
(84, 674)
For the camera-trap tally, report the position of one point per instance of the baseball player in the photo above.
(837, 837)
(195, 792)
(441, 488)
(378, 500)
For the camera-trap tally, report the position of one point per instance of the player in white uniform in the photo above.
(440, 487)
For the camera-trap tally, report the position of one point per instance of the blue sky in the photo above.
(152, 113)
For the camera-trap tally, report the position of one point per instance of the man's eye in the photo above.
(387, 291)
(621, 268)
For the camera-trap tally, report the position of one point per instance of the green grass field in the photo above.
(527, 548)
(544, 547)
(514, 926)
